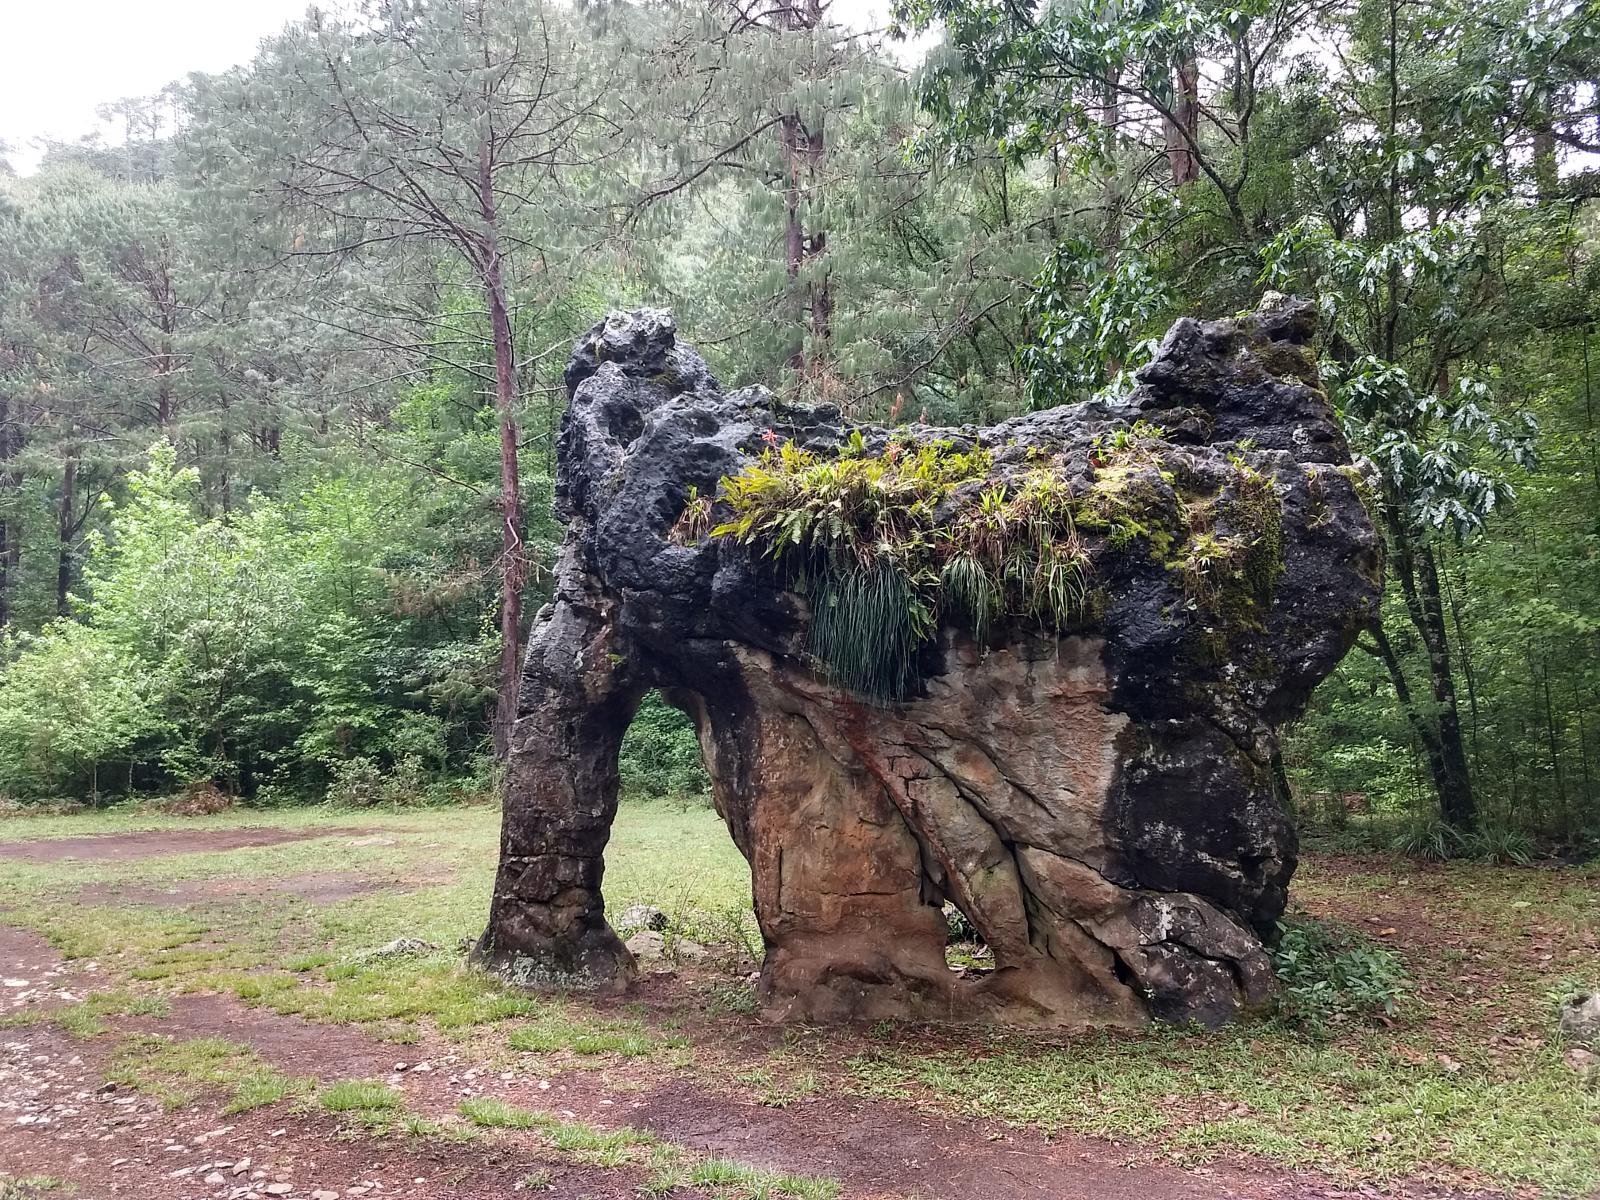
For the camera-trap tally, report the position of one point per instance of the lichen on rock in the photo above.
(1034, 670)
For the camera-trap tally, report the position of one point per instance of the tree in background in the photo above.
(459, 126)
(72, 702)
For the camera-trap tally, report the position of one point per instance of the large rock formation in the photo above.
(1101, 796)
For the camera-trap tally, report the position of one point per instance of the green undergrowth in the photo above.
(86, 1018)
(362, 1098)
(392, 1000)
(669, 1166)
(586, 1035)
(438, 989)
(1361, 1106)
(373, 1108)
(178, 1072)
(890, 547)
(33, 1187)
(1328, 974)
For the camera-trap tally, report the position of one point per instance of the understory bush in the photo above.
(278, 652)
(1330, 975)
(1432, 838)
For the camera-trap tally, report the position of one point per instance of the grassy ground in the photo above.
(1466, 1083)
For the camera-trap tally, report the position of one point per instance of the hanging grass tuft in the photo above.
(968, 594)
(867, 626)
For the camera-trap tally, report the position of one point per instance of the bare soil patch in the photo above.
(32, 973)
(120, 847)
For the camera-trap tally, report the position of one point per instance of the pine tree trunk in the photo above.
(66, 527)
(811, 305)
(5, 572)
(512, 573)
(820, 290)
(794, 237)
(9, 533)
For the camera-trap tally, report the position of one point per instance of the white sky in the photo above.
(61, 58)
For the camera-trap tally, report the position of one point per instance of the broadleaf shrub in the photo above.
(1330, 976)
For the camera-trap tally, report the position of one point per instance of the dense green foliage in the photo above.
(661, 754)
(280, 646)
(333, 288)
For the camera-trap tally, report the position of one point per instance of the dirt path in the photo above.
(58, 1117)
(33, 975)
(119, 847)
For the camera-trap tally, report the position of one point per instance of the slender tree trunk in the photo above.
(1183, 127)
(1110, 120)
(164, 405)
(224, 460)
(512, 572)
(1588, 415)
(1467, 671)
(1456, 801)
(67, 528)
(1553, 740)
(1583, 755)
(1546, 172)
(1427, 735)
(167, 360)
(811, 305)
(819, 291)
(5, 572)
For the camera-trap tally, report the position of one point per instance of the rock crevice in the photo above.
(1094, 790)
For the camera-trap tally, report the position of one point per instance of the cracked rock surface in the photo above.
(1105, 804)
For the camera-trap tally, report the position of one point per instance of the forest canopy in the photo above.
(280, 362)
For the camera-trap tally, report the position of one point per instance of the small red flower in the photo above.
(770, 438)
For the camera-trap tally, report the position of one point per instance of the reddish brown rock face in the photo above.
(1101, 806)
